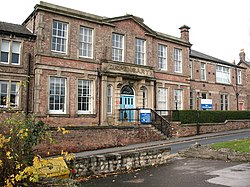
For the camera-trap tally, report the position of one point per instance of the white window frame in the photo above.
(203, 71)
(58, 82)
(191, 69)
(11, 51)
(177, 60)
(223, 74)
(109, 99)
(88, 96)
(117, 47)
(9, 93)
(162, 103)
(239, 76)
(224, 101)
(140, 51)
(86, 42)
(162, 56)
(178, 99)
(60, 39)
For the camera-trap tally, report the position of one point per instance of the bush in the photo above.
(18, 135)
(208, 116)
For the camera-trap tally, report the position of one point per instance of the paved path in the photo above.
(181, 172)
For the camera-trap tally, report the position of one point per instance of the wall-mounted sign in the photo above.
(206, 104)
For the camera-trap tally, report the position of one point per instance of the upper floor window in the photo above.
(203, 71)
(222, 74)
(109, 99)
(9, 93)
(86, 42)
(191, 69)
(57, 95)
(177, 60)
(239, 77)
(85, 96)
(117, 47)
(162, 57)
(10, 52)
(59, 36)
(140, 51)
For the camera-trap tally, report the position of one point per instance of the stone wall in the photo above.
(182, 130)
(91, 138)
(120, 161)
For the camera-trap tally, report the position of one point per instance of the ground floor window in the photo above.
(57, 96)
(178, 99)
(191, 100)
(109, 99)
(162, 99)
(85, 96)
(9, 93)
(224, 102)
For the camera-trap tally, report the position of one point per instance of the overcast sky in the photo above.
(219, 28)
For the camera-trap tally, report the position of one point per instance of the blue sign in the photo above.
(206, 104)
(145, 116)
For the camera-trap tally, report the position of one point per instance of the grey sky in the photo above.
(218, 28)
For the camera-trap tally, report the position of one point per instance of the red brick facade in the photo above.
(153, 70)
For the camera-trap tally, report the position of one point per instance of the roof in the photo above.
(44, 6)
(202, 56)
(15, 29)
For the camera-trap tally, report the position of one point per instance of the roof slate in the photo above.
(197, 54)
(16, 29)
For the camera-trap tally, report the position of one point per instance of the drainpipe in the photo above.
(155, 95)
(100, 95)
(28, 85)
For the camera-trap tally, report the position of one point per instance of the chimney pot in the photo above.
(185, 32)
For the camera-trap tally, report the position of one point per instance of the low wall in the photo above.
(119, 161)
(91, 138)
(182, 130)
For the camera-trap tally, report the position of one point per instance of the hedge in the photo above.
(208, 116)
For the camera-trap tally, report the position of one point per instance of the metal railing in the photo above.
(158, 118)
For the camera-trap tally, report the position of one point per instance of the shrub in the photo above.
(208, 116)
(18, 135)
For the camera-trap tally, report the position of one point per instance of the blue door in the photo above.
(127, 102)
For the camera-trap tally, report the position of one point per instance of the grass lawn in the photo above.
(242, 146)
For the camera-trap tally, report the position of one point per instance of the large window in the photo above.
(224, 101)
(85, 96)
(239, 76)
(178, 99)
(222, 74)
(162, 100)
(57, 96)
(191, 100)
(59, 36)
(177, 60)
(10, 52)
(117, 47)
(9, 94)
(109, 99)
(86, 42)
(191, 69)
(203, 71)
(162, 57)
(140, 51)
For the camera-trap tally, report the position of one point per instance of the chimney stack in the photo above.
(185, 32)
(242, 55)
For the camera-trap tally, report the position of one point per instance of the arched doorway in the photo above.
(127, 103)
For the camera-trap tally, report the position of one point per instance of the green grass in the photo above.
(242, 146)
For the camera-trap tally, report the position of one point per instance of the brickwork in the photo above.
(181, 130)
(91, 138)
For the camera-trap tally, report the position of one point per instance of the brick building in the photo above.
(88, 67)
(222, 82)
(16, 65)
(246, 64)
